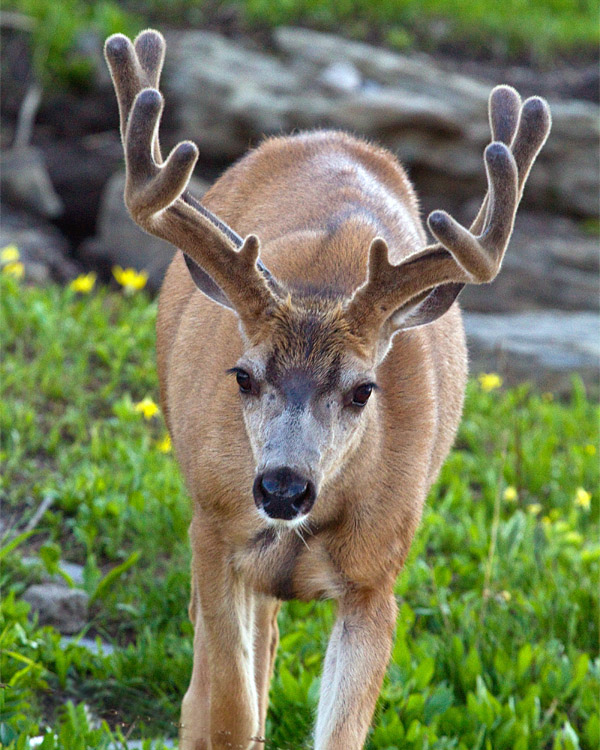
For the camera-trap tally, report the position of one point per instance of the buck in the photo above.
(311, 393)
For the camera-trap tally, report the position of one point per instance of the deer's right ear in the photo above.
(205, 284)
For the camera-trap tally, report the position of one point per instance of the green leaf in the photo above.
(438, 703)
(424, 672)
(111, 577)
(472, 668)
(524, 659)
(592, 731)
(14, 543)
(569, 737)
(50, 555)
(291, 688)
(581, 668)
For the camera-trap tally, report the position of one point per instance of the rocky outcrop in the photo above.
(24, 181)
(225, 96)
(79, 169)
(550, 263)
(546, 348)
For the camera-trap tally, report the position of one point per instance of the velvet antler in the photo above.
(223, 266)
(436, 275)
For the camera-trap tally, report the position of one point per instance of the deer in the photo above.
(312, 367)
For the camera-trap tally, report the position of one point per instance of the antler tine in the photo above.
(504, 109)
(150, 47)
(134, 67)
(533, 130)
(149, 187)
(481, 255)
(523, 128)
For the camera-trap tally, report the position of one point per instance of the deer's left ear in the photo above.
(423, 309)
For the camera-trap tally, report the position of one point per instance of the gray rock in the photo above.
(208, 78)
(79, 168)
(119, 241)
(156, 744)
(546, 348)
(93, 645)
(376, 63)
(64, 608)
(226, 97)
(25, 183)
(43, 250)
(73, 570)
(550, 263)
(340, 77)
(568, 177)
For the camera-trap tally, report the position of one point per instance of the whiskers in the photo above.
(303, 527)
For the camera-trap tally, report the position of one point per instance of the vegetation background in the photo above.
(497, 638)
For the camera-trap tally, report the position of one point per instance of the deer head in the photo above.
(309, 368)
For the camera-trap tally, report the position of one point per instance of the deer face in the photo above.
(305, 391)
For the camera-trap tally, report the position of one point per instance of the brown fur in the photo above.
(360, 530)
(317, 201)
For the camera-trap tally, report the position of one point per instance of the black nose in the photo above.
(282, 493)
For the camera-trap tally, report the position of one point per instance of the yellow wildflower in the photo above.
(506, 595)
(130, 279)
(147, 407)
(574, 537)
(583, 498)
(489, 381)
(534, 508)
(9, 254)
(164, 445)
(590, 449)
(546, 521)
(15, 268)
(510, 494)
(84, 283)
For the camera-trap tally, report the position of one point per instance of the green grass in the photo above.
(538, 31)
(497, 638)
(58, 45)
(533, 28)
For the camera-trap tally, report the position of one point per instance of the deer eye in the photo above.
(244, 381)
(361, 394)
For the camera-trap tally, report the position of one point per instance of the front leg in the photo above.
(355, 663)
(220, 710)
